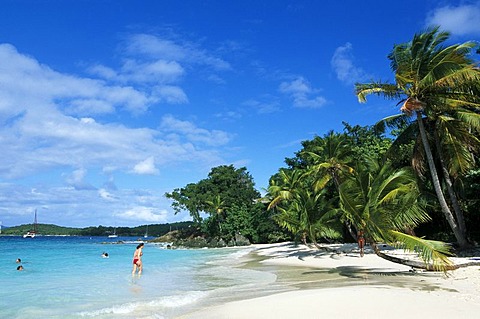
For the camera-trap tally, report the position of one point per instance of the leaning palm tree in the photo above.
(384, 204)
(430, 78)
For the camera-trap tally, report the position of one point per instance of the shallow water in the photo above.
(66, 277)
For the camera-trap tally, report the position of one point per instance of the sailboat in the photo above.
(146, 233)
(32, 233)
(114, 235)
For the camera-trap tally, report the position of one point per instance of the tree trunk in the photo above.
(350, 230)
(451, 192)
(419, 264)
(461, 240)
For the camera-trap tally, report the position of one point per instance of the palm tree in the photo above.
(284, 185)
(430, 78)
(384, 203)
(331, 161)
(300, 207)
(217, 205)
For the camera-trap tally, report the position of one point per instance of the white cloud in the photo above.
(171, 94)
(103, 193)
(270, 105)
(459, 20)
(146, 167)
(144, 214)
(25, 83)
(81, 208)
(193, 133)
(103, 71)
(57, 123)
(302, 93)
(159, 48)
(40, 130)
(157, 71)
(342, 64)
(77, 180)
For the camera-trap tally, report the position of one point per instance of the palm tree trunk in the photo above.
(418, 264)
(461, 240)
(350, 230)
(451, 192)
(347, 223)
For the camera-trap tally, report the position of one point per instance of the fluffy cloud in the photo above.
(302, 93)
(77, 180)
(37, 111)
(342, 64)
(459, 20)
(81, 208)
(156, 47)
(26, 84)
(145, 214)
(146, 167)
(103, 193)
(63, 129)
(193, 133)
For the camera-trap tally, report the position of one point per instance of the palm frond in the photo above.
(387, 90)
(430, 251)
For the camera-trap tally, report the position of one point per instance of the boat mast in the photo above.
(35, 222)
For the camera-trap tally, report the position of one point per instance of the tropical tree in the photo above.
(331, 162)
(431, 79)
(217, 206)
(331, 159)
(212, 202)
(384, 203)
(301, 208)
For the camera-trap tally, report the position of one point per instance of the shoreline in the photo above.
(338, 283)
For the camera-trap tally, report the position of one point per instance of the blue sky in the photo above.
(107, 105)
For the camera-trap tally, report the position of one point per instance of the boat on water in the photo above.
(114, 235)
(146, 233)
(32, 233)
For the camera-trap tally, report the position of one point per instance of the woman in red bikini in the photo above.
(137, 259)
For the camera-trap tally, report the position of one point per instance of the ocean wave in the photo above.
(147, 309)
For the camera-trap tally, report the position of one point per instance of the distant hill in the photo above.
(154, 230)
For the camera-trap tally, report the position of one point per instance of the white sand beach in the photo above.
(401, 292)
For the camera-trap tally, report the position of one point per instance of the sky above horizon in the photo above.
(107, 105)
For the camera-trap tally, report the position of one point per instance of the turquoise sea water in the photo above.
(66, 277)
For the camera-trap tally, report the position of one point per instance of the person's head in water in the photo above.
(140, 245)
(20, 267)
(18, 260)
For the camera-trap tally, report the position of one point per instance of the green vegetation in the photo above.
(225, 207)
(439, 87)
(46, 229)
(421, 178)
(364, 182)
